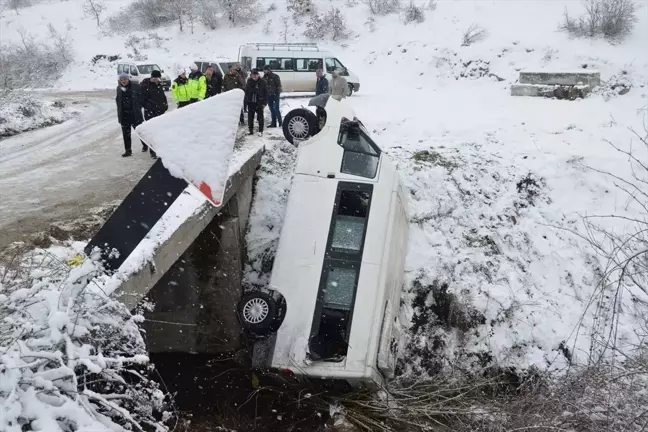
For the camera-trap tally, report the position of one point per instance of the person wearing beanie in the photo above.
(197, 84)
(256, 98)
(129, 110)
(153, 100)
(180, 89)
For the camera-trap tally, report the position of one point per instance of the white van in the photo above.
(137, 71)
(334, 292)
(295, 63)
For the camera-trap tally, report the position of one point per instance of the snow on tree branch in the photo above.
(71, 358)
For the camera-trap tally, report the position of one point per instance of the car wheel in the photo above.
(257, 312)
(350, 89)
(299, 124)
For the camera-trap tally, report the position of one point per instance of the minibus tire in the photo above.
(301, 116)
(350, 89)
(257, 311)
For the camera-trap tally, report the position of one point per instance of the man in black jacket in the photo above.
(214, 82)
(256, 98)
(129, 110)
(321, 85)
(273, 84)
(153, 100)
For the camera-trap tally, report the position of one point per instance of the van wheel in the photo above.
(350, 89)
(299, 124)
(257, 312)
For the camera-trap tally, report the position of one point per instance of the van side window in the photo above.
(335, 63)
(275, 63)
(308, 65)
(120, 69)
(246, 62)
(133, 70)
(361, 154)
(339, 279)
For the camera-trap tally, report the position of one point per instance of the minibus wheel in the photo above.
(299, 124)
(321, 117)
(257, 311)
(350, 89)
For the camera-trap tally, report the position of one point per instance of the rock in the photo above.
(624, 90)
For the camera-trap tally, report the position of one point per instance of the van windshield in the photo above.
(147, 69)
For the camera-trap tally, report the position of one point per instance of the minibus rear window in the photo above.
(340, 272)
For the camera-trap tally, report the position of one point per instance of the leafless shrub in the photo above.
(272, 7)
(371, 24)
(383, 7)
(241, 12)
(432, 5)
(330, 25)
(25, 64)
(142, 15)
(473, 34)
(267, 27)
(94, 8)
(16, 5)
(208, 13)
(413, 14)
(284, 28)
(612, 19)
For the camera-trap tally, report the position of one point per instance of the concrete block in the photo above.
(531, 90)
(591, 78)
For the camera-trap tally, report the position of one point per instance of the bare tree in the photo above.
(17, 4)
(612, 19)
(94, 8)
(474, 33)
(178, 9)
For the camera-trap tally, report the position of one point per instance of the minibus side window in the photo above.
(361, 154)
(340, 272)
(247, 63)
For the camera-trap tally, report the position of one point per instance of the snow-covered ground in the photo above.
(497, 182)
(23, 112)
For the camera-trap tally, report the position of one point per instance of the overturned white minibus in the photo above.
(332, 310)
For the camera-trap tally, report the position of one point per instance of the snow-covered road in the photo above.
(60, 172)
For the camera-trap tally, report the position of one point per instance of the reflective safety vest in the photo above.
(197, 85)
(180, 90)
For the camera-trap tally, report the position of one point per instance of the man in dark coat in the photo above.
(273, 84)
(129, 110)
(153, 100)
(256, 98)
(231, 81)
(321, 86)
(214, 82)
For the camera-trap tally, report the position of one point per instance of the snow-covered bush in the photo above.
(300, 8)
(330, 25)
(142, 15)
(20, 112)
(612, 19)
(71, 358)
(413, 14)
(383, 7)
(241, 12)
(33, 63)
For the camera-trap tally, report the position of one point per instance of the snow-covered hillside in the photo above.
(497, 182)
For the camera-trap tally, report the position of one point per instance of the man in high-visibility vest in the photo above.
(180, 89)
(197, 84)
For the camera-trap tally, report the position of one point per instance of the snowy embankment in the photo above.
(20, 112)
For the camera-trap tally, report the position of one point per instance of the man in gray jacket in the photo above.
(338, 87)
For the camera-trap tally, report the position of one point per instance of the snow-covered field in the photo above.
(499, 185)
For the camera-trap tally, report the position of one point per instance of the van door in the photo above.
(283, 66)
(134, 74)
(305, 78)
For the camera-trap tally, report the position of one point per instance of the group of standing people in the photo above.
(136, 103)
(139, 102)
